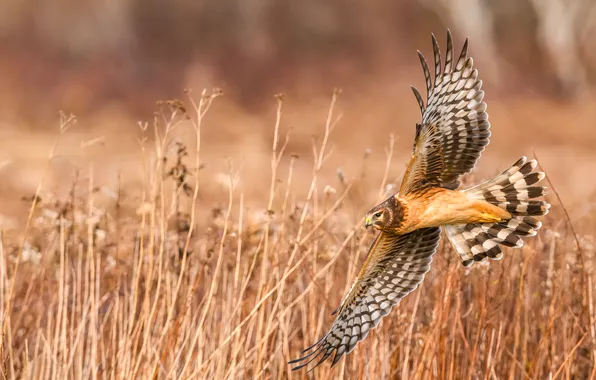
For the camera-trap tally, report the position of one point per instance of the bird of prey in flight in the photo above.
(477, 221)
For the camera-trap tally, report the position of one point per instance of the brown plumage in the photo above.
(453, 133)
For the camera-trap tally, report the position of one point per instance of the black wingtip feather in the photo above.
(464, 49)
(418, 98)
(437, 54)
(461, 61)
(314, 345)
(325, 356)
(449, 55)
(302, 358)
(307, 358)
(336, 358)
(426, 71)
(298, 367)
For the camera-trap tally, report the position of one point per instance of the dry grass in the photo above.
(182, 288)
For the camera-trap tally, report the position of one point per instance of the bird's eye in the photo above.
(378, 214)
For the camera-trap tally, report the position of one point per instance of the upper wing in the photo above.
(454, 129)
(395, 266)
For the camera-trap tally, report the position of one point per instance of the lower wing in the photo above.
(395, 266)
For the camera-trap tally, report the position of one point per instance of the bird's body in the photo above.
(437, 207)
(477, 221)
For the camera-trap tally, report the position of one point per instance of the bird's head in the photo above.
(385, 216)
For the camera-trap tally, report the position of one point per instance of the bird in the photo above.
(477, 221)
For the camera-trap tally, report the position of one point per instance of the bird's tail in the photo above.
(514, 190)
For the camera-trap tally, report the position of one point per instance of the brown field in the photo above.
(213, 239)
(103, 278)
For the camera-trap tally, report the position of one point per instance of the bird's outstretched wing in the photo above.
(454, 129)
(395, 266)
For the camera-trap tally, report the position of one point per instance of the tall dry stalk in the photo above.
(248, 285)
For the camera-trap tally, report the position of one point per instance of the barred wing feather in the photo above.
(454, 129)
(395, 266)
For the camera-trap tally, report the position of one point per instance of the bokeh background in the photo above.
(110, 270)
(109, 61)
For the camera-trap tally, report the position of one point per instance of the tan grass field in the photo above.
(128, 253)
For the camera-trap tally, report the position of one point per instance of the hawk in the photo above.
(478, 221)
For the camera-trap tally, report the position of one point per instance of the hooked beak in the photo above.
(367, 222)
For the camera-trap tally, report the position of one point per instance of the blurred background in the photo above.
(109, 61)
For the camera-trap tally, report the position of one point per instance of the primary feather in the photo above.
(395, 266)
(454, 129)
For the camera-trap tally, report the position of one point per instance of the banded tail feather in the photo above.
(513, 190)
